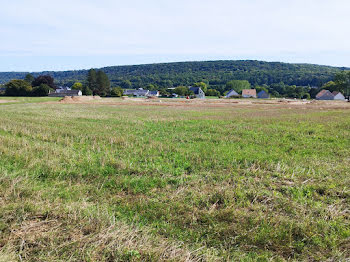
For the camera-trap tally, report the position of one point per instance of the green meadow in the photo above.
(104, 182)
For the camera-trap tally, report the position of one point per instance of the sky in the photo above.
(38, 35)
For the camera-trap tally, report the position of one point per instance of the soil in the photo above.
(178, 102)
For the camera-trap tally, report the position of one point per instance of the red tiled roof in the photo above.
(249, 92)
(321, 93)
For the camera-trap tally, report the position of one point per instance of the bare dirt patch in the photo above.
(210, 103)
(79, 99)
(7, 101)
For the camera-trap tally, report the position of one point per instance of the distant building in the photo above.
(338, 95)
(232, 93)
(198, 92)
(153, 93)
(249, 93)
(136, 92)
(62, 89)
(263, 95)
(324, 95)
(65, 92)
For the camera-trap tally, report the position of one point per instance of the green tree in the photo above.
(126, 84)
(150, 87)
(18, 88)
(44, 79)
(42, 90)
(77, 86)
(262, 88)
(212, 92)
(86, 91)
(29, 78)
(306, 96)
(342, 80)
(92, 80)
(237, 85)
(164, 92)
(182, 91)
(103, 84)
(117, 91)
(331, 86)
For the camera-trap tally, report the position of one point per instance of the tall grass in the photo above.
(134, 183)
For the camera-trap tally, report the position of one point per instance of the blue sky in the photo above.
(38, 35)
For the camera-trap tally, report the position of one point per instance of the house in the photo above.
(129, 92)
(338, 95)
(324, 95)
(249, 93)
(62, 89)
(198, 92)
(65, 92)
(136, 92)
(263, 94)
(153, 93)
(232, 93)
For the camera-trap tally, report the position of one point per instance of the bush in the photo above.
(212, 92)
(86, 91)
(42, 90)
(117, 91)
(306, 96)
(18, 88)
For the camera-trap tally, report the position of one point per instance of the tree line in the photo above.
(30, 86)
(97, 82)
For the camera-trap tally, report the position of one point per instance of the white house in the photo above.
(338, 95)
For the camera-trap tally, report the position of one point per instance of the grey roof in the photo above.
(62, 89)
(263, 94)
(325, 95)
(141, 92)
(195, 89)
(68, 92)
(153, 93)
(129, 91)
(232, 93)
(136, 92)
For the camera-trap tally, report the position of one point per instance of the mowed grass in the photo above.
(10, 99)
(96, 182)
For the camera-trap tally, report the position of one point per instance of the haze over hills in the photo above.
(215, 73)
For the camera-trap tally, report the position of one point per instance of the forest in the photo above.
(216, 74)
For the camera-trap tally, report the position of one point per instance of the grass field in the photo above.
(136, 182)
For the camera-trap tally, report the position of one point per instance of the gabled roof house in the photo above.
(338, 95)
(232, 93)
(136, 92)
(153, 93)
(324, 95)
(249, 93)
(198, 92)
(263, 94)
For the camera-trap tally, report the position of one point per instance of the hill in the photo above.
(216, 73)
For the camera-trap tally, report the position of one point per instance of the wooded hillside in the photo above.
(215, 73)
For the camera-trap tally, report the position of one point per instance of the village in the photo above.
(197, 92)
